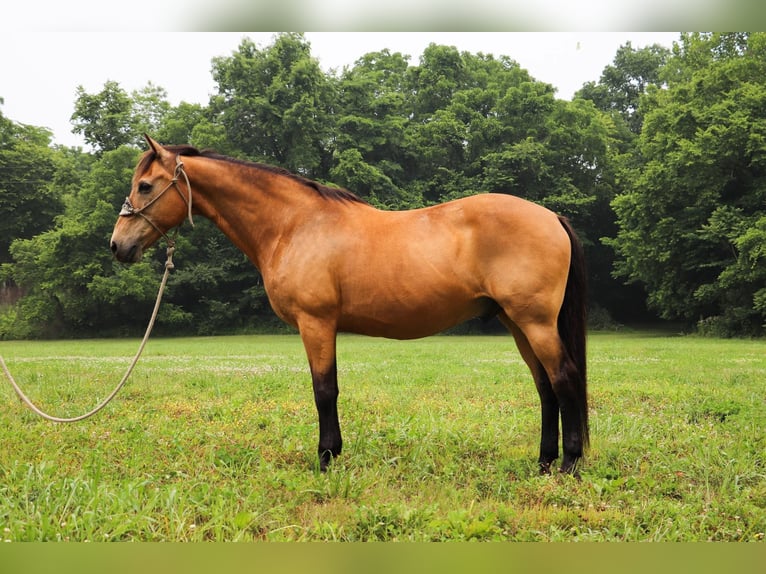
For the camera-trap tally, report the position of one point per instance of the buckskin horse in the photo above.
(332, 263)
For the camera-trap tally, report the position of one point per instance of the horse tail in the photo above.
(572, 323)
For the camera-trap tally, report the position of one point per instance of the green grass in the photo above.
(215, 439)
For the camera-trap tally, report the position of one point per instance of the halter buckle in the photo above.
(127, 208)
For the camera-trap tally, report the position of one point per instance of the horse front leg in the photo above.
(319, 342)
(326, 399)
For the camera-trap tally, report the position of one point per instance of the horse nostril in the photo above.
(113, 246)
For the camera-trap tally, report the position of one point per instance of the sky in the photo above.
(41, 70)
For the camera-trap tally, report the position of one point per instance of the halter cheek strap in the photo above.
(128, 210)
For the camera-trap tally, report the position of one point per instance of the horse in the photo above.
(331, 262)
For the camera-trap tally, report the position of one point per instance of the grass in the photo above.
(215, 439)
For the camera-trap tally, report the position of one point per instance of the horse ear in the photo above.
(152, 144)
(156, 147)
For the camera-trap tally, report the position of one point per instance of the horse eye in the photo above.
(144, 187)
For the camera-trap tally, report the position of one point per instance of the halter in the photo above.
(128, 210)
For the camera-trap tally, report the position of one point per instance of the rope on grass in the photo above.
(168, 266)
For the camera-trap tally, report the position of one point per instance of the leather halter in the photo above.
(128, 210)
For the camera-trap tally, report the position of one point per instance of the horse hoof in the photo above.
(571, 470)
(325, 457)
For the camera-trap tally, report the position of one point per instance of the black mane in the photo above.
(325, 191)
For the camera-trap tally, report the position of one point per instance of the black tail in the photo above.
(572, 324)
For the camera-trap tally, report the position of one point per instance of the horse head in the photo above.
(149, 212)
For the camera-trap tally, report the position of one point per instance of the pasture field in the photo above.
(215, 439)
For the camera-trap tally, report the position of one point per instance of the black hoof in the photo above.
(325, 458)
(545, 468)
(570, 467)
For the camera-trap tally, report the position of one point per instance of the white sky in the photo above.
(40, 71)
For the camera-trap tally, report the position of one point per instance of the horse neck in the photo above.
(253, 207)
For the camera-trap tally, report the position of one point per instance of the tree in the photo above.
(664, 158)
(439, 76)
(624, 82)
(184, 124)
(275, 104)
(474, 118)
(28, 201)
(149, 109)
(113, 118)
(618, 95)
(693, 207)
(214, 288)
(104, 119)
(372, 113)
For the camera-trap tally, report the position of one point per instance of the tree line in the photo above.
(660, 165)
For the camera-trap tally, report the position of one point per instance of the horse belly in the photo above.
(407, 313)
(410, 325)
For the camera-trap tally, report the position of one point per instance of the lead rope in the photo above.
(168, 266)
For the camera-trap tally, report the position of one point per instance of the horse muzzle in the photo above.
(126, 252)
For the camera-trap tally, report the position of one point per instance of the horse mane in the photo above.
(325, 191)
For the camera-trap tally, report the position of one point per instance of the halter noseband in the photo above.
(128, 210)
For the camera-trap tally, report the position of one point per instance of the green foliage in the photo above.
(369, 181)
(104, 119)
(113, 118)
(369, 150)
(28, 201)
(179, 124)
(697, 191)
(275, 104)
(215, 288)
(623, 83)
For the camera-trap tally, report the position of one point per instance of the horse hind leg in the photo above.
(568, 387)
(561, 388)
(549, 404)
